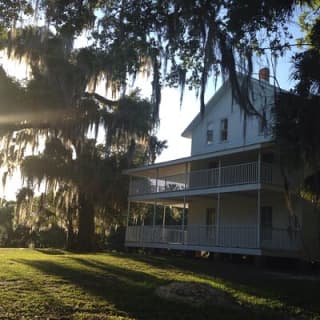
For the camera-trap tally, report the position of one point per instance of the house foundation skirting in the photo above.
(183, 247)
(242, 251)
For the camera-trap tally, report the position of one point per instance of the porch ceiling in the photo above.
(178, 203)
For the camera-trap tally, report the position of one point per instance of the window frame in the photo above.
(224, 126)
(209, 134)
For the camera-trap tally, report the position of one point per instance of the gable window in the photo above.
(224, 129)
(209, 133)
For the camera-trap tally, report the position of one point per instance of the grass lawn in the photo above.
(60, 285)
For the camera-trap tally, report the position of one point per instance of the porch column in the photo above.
(259, 167)
(130, 185)
(185, 176)
(218, 219)
(258, 217)
(154, 220)
(164, 216)
(183, 212)
(157, 178)
(154, 213)
(183, 217)
(128, 213)
(219, 172)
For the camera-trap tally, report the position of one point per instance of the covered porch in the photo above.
(226, 239)
(251, 223)
(244, 169)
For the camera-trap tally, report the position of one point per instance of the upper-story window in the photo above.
(209, 133)
(224, 129)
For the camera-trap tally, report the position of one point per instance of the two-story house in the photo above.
(230, 188)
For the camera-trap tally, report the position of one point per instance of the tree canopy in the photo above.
(297, 111)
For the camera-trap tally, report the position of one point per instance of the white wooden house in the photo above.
(230, 187)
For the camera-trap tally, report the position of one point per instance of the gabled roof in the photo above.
(214, 100)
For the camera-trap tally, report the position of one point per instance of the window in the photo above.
(210, 216)
(266, 223)
(209, 133)
(224, 130)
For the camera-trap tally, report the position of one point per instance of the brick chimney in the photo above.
(264, 74)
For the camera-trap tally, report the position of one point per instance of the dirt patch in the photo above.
(195, 293)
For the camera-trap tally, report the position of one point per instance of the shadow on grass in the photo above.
(130, 292)
(292, 293)
(44, 303)
(50, 251)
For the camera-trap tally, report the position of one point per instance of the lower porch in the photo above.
(249, 223)
(225, 238)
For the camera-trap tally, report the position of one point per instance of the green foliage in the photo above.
(22, 237)
(115, 239)
(297, 129)
(55, 237)
(6, 222)
(297, 113)
(187, 42)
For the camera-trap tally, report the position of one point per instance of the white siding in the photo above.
(225, 107)
(240, 209)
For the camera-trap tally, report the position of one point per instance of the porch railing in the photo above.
(281, 239)
(204, 236)
(240, 174)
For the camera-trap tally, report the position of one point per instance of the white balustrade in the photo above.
(240, 174)
(281, 239)
(229, 236)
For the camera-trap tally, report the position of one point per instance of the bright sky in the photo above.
(173, 117)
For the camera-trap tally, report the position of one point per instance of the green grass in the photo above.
(60, 285)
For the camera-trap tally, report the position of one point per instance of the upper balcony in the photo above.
(250, 173)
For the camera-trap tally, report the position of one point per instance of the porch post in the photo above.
(185, 175)
(219, 172)
(258, 217)
(164, 216)
(130, 186)
(154, 213)
(128, 213)
(157, 178)
(183, 212)
(183, 217)
(218, 219)
(154, 220)
(259, 166)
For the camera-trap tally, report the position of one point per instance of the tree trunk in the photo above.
(70, 230)
(86, 224)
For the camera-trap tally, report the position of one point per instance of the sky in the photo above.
(174, 118)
